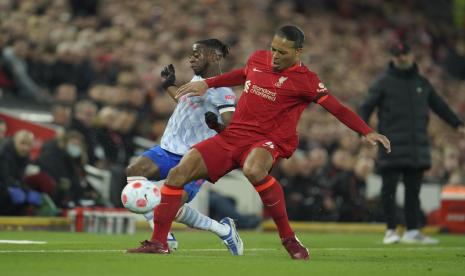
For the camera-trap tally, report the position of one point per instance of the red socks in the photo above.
(272, 196)
(166, 211)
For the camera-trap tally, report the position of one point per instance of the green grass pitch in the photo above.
(201, 253)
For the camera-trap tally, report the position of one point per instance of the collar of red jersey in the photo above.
(294, 68)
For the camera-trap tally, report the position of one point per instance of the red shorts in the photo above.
(223, 154)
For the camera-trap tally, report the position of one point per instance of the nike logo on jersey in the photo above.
(256, 70)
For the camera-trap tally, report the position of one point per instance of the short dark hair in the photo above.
(292, 33)
(216, 45)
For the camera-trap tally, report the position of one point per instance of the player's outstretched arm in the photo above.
(353, 121)
(233, 78)
(373, 138)
(195, 88)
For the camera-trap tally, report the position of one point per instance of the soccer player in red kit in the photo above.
(277, 88)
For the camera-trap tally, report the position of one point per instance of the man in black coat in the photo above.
(63, 159)
(403, 98)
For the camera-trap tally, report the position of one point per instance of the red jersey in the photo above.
(272, 101)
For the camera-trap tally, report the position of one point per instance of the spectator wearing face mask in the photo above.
(63, 159)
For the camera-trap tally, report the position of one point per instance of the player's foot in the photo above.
(416, 237)
(295, 249)
(172, 242)
(232, 240)
(154, 247)
(391, 237)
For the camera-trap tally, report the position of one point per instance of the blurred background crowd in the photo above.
(95, 66)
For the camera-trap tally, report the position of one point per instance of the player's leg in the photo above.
(412, 181)
(256, 169)
(190, 168)
(193, 218)
(146, 165)
(154, 164)
(388, 196)
(207, 154)
(225, 229)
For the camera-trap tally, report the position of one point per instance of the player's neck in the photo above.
(210, 71)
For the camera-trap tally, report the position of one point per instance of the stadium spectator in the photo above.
(63, 158)
(66, 94)
(15, 195)
(14, 60)
(349, 191)
(404, 98)
(61, 114)
(85, 112)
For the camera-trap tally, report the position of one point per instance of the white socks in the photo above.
(189, 216)
(149, 217)
(193, 218)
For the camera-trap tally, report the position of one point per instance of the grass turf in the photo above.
(202, 253)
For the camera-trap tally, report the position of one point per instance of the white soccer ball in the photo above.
(140, 196)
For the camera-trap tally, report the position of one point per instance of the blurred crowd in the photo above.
(96, 63)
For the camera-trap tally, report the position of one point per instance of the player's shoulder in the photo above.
(260, 56)
(220, 90)
(220, 94)
(309, 74)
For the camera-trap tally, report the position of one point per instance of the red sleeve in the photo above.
(233, 78)
(344, 114)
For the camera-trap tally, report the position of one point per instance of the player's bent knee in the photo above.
(132, 170)
(254, 174)
(177, 177)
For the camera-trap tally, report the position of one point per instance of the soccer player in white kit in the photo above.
(193, 120)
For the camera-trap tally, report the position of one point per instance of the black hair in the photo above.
(216, 45)
(292, 33)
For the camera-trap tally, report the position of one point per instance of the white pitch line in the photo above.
(118, 250)
(389, 248)
(385, 249)
(22, 242)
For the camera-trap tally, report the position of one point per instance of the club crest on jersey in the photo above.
(247, 86)
(280, 81)
(321, 88)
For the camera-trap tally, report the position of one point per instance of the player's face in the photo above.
(198, 59)
(284, 53)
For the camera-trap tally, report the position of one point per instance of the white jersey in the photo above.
(186, 126)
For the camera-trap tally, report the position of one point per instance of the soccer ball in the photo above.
(140, 196)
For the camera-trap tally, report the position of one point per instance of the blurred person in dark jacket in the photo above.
(85, 112)
(63, 158)
(349, 191)
(15, 196)
(404, 98)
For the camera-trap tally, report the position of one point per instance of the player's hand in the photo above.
(373, 138)
(195, 88)
(212, 120)
(169, 75)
